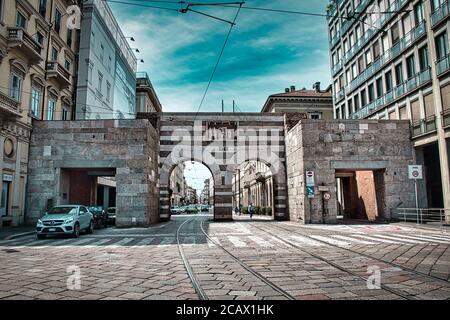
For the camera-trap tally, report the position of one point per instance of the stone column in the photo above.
(223, 195)
(443, 151)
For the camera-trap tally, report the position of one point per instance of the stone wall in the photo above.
(326, 146)
(130, 147)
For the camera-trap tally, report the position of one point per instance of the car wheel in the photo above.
(41, 236)
(90, 229)
(76, 230)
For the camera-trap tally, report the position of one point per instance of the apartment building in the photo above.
(312, 104)
(37, 67)
(107, 68)
(146, 97)
(177, 186)
(390, 60)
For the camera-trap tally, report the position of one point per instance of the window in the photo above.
(441, 46)
(350, 107)
(410, 67)
(102, 52)
(389, 83)
(90, 72)
(51, 106)
(40, 38)
(363, 98)
(395, 33)
(54, 54)
(371, 90)
(379, 83)
(65, 112)
(67, 65)
(16, 86)
(356, 100)
(338, 113)
(354, 71)
(108, 91)
(69, 37)
(399, 74)
(100, 82)
(21, 21)
(315, 116)
(57, 21)
(376, 50)
(43, 7)
(418, 12)
(435, 4)
(368, 58)
(35, 101)
(423, 58)
(361, 64)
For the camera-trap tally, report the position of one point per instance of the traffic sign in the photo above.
(310, 191)
(415, 172)
(310, 178)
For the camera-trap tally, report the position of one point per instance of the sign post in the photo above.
(310, 184)
(415, 173)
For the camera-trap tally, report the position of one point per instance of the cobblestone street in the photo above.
(244, 259)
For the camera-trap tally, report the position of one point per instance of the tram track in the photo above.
(331, 263)
(395, 265)
(201, 293)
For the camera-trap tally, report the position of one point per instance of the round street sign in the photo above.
(327, 196)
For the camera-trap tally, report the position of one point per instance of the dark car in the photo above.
(100, 217)
(111, 211)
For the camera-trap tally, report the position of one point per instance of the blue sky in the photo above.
(266, 52)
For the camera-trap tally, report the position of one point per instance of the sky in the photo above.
(266, 52)
(195, 174)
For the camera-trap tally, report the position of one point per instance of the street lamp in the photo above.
(131, 38)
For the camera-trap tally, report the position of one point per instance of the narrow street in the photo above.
(192, 257)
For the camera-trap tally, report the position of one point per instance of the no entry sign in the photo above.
(310, 178)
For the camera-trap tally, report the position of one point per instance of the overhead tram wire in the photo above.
(218, 59)
(143, 5)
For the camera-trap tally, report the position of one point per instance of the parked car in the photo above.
(176, 210)
(66, 220)
(100, 216)
(190, 209)
(111, 211)
(204, 207)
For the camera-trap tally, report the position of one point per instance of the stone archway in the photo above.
(222, 142)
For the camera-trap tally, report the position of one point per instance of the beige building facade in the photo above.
(312, 104)
(37, 64)
(396, 65)
(253, 184)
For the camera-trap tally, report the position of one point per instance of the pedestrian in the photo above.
(250, 210)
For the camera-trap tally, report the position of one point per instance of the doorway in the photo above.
(4, 206)
(361, 194)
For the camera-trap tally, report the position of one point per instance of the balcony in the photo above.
(399, 91)
(335, 39)
(424, 126)
(339, 95)
(446, 118)
(62, 76)
(440, 14)
(390, 54)
(19, 38)
(336, 68)
(443, 65)
(9, 108)
(397, 5)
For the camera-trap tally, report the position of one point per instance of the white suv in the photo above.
(68, 219)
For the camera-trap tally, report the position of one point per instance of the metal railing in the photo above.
(443, 64)
(399, 91)
(419, 215)
(440, 13)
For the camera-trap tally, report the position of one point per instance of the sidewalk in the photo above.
(7, 233)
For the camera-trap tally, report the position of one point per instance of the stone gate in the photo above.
(65, 156)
